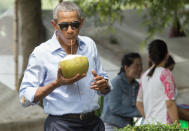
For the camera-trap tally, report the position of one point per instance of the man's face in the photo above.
(68, 25)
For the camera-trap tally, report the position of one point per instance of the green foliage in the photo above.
(101, 103)
(105, 10)
(159, 13)
(163, 13)
(152, 127)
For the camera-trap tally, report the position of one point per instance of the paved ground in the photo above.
(13, 117)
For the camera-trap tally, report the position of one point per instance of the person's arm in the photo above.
(30, 91)
(139, 103)
(101, 81)
(33, 77)
(169, 89)
(42, 92)
(140, 108)
(172, 110)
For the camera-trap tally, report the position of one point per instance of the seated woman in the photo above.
(120, 104)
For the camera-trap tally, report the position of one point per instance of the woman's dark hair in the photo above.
(149, 63)
(157, 51)
(170, 61)
(128, 60)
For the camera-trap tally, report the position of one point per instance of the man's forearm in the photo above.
(43, 91)
(172, 110)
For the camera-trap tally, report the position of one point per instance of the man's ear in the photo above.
(81, 21)
(54, 24)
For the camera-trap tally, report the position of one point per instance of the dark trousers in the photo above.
(54, 123)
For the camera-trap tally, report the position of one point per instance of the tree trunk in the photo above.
(16, 31)
(32, 31)
(176, 28)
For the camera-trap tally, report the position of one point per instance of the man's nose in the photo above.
(69, 30)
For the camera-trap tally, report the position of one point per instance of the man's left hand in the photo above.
(100, 83)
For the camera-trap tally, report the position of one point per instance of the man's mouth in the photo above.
(69, 37)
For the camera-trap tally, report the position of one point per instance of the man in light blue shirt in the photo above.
(73, 100)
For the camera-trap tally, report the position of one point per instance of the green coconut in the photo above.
(74, 64)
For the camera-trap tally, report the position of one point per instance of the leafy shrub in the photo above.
(152, 127)
(101, 103)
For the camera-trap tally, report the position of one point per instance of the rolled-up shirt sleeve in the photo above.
(33, 78)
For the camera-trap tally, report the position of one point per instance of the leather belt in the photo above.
(81, 116)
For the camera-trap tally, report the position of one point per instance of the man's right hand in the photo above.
(61, 80)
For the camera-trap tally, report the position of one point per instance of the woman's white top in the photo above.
(154, 92)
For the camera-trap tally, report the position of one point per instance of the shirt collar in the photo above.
(122, 74)
(55, 45)
(82, 44)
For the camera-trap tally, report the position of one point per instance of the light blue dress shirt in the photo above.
(42, 70)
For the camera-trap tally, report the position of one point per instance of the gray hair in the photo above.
(66, 6)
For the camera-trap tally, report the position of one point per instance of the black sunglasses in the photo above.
(74, 25)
